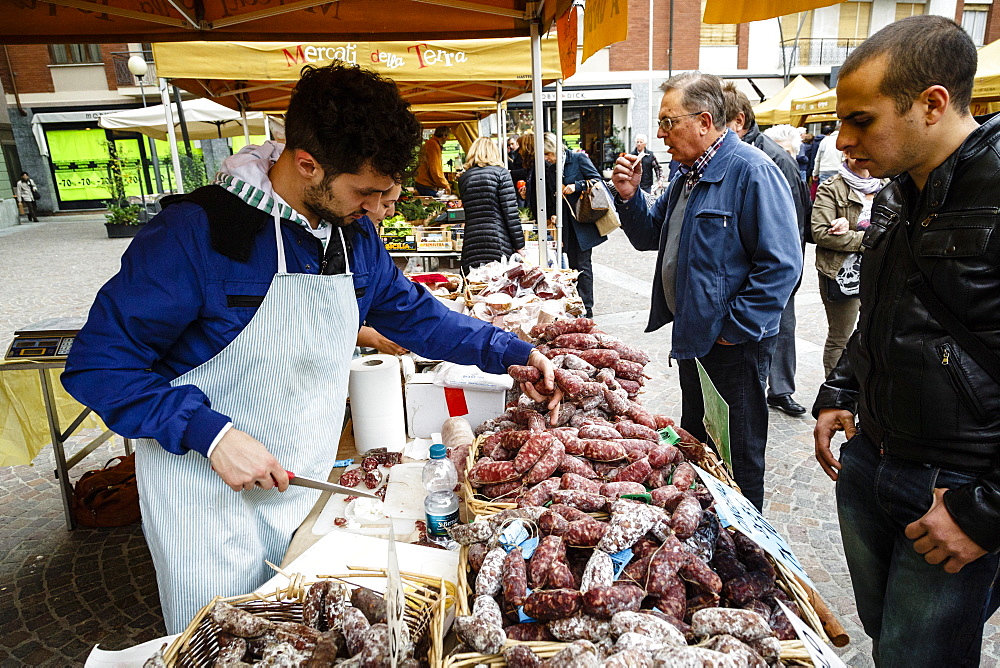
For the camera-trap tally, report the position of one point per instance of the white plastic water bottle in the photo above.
(441, 503)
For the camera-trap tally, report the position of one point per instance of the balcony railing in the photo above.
(125, 78)
(816, 52)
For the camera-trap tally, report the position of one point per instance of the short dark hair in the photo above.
(827, 128)
(921, 51)
(699, 92)
(346, 116)
(736, 102)
(25, 174)
(441, 131)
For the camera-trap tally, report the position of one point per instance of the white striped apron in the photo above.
(283, 380)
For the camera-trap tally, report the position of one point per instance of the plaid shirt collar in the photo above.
(695, 171)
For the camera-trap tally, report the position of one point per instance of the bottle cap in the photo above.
(438, 451)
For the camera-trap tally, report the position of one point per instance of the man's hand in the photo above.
(569, 189)
(938, 537)
(548, 393)
(243, 463)
(831, 420)
(627, 175)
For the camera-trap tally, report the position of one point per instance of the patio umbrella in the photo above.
(205, 120)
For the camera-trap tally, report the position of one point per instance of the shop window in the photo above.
(974, 22)
(905, 10)
(717, 34)
(75, 54)
(855, 22)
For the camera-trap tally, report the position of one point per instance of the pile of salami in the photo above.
(334, 629)
(686, 582)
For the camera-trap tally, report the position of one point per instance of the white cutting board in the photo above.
(404, 503)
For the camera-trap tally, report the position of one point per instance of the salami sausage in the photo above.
(664, 565)
(663, 455)
(603, 451)
(629, 658)
(686, 517)
(479, 635)
(640, 415)
(614, 490)
(628, 370)
(697, 572)
(540, 494)
(574, 362)
(617, 403)
(599, 357)
(580, 654)
(547, 463)
(354, 627)
(502, 490)
(743, 624)
(585, 533)
(692, 657)
(632, 387)
(728, 566)
(673, 600)
(524, 374)
(598, 431)
(636, 472)
(576, 481)
(743, 588)
(633, 430)
(576, 341)
(629, 522)
(529, 631)
(579, 627)
(550, 550)
(561, 577)
(580, 500)
(487, 471)
(599, 571)
(605, 602)
(312, 607)
(515, 578)
(469, 534)
(352, 477)
(780, 625)
(630, 353)
(520, 656)
(570, 513)
(553, 524)
(647, 625)
(476, 555)
(570, 383)
(549, 604)
(684, 476)
(487, 609)
(560, 327)
(369, 602)
(488, 579)
(238, 622)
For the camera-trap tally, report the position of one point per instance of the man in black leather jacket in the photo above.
(918, 483)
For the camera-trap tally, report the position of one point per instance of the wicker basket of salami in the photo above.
(688, 591)
(335, 616)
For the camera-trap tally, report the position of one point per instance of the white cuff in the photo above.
(218, 437)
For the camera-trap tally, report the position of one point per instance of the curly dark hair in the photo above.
(346, 116)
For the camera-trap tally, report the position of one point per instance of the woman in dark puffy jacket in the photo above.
(492, 226)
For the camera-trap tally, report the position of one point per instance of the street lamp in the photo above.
(138, 67)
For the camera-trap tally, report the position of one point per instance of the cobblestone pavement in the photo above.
(63, 592)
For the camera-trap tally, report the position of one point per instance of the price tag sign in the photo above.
(716, 415)
(822, 654)
(668, 436)
(734, 510)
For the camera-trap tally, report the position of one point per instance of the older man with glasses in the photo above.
(729, 258)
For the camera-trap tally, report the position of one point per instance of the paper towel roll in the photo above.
(377, 403)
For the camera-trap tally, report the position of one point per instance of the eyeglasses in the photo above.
(667, 123)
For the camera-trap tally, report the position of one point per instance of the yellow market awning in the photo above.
(987, 84)
(815, 108)
(743, 11)
(261, 75)
(777, 109)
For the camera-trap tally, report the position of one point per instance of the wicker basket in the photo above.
(426, 599)
(793, 652)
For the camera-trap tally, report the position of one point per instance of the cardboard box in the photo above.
(434, 238)
(429, 405)
(399, 243)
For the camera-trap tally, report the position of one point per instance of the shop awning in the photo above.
(204, 119)
(261, 75)
(118, 21)
(777, 109)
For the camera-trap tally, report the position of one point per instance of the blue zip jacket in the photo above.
(177, 302)
(739, 256)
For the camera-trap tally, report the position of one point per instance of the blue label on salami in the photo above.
(342, 463)
(620, 560)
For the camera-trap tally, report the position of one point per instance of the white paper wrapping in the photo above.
(377, 403)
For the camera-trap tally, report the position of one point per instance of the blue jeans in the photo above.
(739, 373)
(916, 613)
(426, 191)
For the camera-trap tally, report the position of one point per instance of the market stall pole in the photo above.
(171, 137)
(138, 67)
(541, 220)
(560, 163)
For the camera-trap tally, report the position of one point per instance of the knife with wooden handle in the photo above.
(327, 486)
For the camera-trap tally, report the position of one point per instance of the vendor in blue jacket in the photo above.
(223, 345)
(729, 258)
